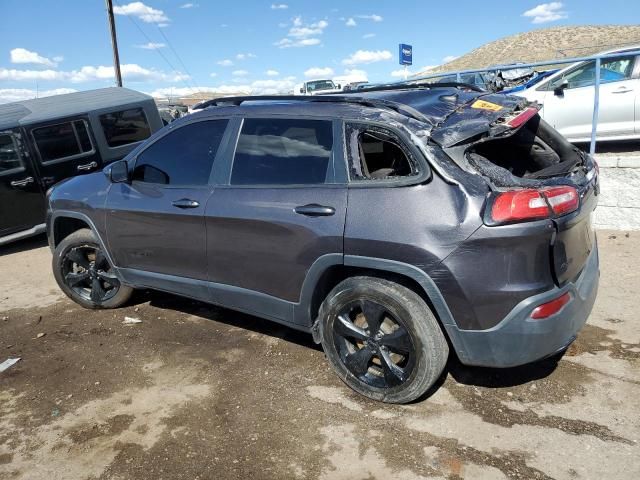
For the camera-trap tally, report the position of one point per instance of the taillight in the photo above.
(529, 204)
(522, 117)
(519, 205)
(562, 200)
(550, 308)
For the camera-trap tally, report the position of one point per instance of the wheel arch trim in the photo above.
(429, 287)
(56, 215)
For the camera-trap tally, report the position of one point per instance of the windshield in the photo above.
(320, 85)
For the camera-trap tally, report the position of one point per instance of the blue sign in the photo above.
(406, 54)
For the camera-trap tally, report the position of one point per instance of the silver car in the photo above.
(567, 98)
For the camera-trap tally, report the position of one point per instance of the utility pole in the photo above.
(114, 43)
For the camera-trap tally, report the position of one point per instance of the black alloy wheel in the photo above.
(87, 272)
(373, 345)
(382, 339)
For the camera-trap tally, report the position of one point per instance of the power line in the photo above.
(157, 50)
(178, 57)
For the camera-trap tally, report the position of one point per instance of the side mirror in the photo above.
(302, 90)
(118, 172)
(338, 86)
(559, 90)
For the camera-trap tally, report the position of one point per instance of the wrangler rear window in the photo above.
(377, 154)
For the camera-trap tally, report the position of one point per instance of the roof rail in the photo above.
(369, 102)
(415, 86)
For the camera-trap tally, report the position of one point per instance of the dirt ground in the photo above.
(199, 392)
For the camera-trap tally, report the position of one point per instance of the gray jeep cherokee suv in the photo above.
(393, 224)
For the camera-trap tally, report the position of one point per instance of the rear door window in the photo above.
(125, 127)
(282, 152)
(183, 157)
(9, 157)
(63, 140)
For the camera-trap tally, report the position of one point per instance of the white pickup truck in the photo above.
(314, 87)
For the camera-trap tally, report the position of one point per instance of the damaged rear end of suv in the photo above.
(523, 284)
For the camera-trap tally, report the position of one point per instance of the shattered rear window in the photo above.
(377, 153)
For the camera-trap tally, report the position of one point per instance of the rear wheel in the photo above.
(382, 339)
(84, 274)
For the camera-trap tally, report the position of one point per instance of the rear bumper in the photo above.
(518, 339)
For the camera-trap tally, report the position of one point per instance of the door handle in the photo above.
(623, 90)
(185, 203)
(87, 166)
(315, 210)
(22, 183)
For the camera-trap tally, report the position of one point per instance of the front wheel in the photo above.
(84, 274)
(382, 339)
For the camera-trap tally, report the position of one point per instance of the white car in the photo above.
(315, 87)
(567, 98)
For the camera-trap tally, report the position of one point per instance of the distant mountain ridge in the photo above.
(545, 44)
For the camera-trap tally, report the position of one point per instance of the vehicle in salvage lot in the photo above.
(567, 98)
(45, 140)
(388, 223)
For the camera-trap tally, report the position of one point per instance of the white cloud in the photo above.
(272, 73)
(258, 87)
(368, 35)
(352, 75)
(240, 73)
(22, 55)
(279, 6)
(189, 5)
(244, 56)
(18, 94)
(400, 73)
(546, 12)
(151, 46)
(225, 63)
(367, 56)
(318, 72)
(373, 17)
(303, 35)
(305, 42)
(143, 12)
(350, 22)
(131, 72)
(213, 74)
(449, 58)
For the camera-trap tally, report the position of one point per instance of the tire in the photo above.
(83, 272)
(402, 332)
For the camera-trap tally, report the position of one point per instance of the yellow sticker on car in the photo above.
(483, 105)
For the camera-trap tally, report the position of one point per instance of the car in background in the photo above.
(355, 86)
(46, 140)
(479, 79)
(567, 98)
(316, 87)
(529, 83)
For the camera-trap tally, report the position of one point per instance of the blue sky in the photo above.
(179, 46)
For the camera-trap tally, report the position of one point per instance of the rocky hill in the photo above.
(545, 44)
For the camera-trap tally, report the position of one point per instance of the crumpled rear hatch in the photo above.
(505, 141)
(471, 115)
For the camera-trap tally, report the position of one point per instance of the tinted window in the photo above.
(282, 152)
(62, 140)
(611, 70)
(9, 158)
(182, 157)
(124, 127)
